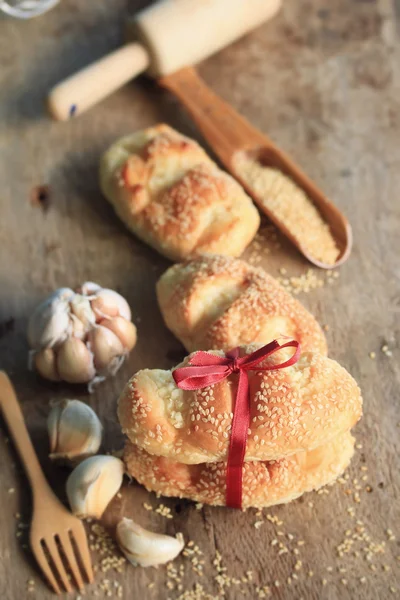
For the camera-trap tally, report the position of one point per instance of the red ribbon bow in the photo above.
(206, 369)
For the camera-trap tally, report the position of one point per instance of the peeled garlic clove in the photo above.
(105, 346)
(108, 303)
(49, 321)
(80, 307)
(75, 362)
(74, 430)
(45, 364)
(144, 548)
(92, 485)
(123, 329)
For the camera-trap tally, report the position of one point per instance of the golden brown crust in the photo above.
(291, 410)
(174, 197)
(222, 302)
(264, 483)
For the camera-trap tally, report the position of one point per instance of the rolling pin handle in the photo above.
(86, 88)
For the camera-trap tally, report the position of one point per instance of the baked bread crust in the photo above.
(264, 483)
(291, 410)
(169, 193)
(221, 302)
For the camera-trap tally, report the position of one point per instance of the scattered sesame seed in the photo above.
(164, 511)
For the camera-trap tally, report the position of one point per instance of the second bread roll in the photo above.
(221, 302)
(167, 191)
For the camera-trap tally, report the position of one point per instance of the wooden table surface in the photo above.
(323, 80)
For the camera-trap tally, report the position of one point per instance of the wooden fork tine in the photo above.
(41, 559)
(79, 535)
(69, 552)
(56, 558)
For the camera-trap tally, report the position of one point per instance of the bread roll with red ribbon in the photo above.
(290, 408)
(221, 302)
(264, 483)
(171, 195)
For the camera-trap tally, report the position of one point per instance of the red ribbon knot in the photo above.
(206, 369)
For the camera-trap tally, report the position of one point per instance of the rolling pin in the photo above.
(163, 38)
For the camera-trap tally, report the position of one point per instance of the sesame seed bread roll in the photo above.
(291, 410)
(171, 195)
(221, 302)
(264, 483)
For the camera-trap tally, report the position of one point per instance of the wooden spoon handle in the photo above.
(13, 416)
(225, 130)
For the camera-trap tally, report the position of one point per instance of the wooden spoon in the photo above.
(229, 134)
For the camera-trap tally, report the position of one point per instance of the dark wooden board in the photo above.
(323, 81)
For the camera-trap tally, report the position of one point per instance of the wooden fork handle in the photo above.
(13, 416)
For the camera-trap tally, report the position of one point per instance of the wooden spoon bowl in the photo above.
(271, 156)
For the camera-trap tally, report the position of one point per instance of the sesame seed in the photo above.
(290, 204)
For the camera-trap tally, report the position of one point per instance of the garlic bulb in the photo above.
(144, 548)
(82, 336)
(74, 430)
(92, 485)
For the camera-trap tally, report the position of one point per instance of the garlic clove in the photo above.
(76, 327)
(105, 346)
(92, 485)
(75, 361)
(108, 303)
(49, 321)
(45, 364)
(144, 548)
(75, 431)
(88, 288)
(123, 329)
(80, 307)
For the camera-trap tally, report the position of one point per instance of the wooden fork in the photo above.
(53, 527)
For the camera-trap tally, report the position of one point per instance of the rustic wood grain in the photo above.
(323, 81)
